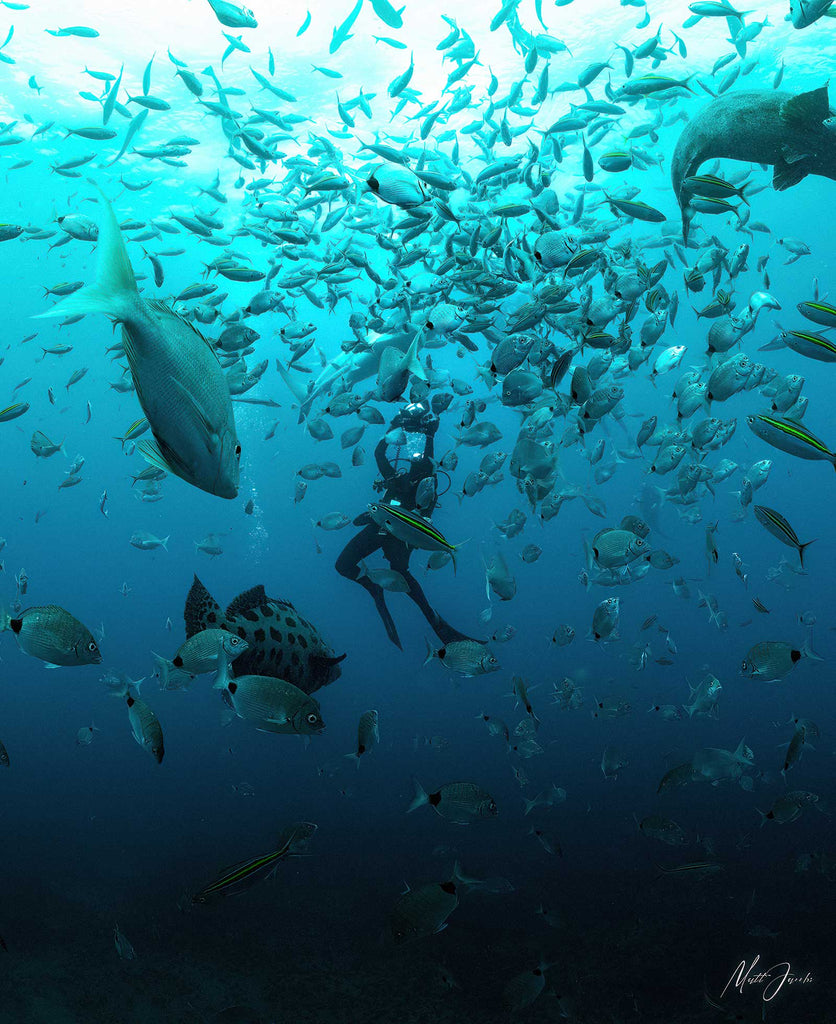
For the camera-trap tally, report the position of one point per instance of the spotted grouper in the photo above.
(281, 642)
(763, 126)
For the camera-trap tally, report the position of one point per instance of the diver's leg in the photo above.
(398, 554)
(363, 544)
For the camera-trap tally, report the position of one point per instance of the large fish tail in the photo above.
(298, 392)
(199, 609)
(114, 291)
(411, 359)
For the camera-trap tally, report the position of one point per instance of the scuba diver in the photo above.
(402, 472)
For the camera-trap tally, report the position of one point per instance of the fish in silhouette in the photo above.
(281, 642)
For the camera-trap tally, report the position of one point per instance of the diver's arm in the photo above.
(384, 466)
(429, 442)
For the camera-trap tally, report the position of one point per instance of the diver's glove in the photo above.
(429, 423)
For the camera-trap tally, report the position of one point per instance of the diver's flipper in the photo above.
(386, 617)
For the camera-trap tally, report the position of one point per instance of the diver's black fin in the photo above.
(200, 605)
(255, 597)
(807, 111)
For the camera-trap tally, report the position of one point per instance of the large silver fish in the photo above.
(281, 642)
(179, 381)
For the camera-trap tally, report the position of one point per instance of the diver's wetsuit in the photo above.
(401, 488)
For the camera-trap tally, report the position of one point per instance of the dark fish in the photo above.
(282, 643)
(558, 370)
(241, 877)
(764, 126)
(778, 526)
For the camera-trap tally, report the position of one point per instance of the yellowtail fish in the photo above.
(242, 876)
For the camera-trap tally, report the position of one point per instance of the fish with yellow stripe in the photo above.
(410, 528)
(790, 437)
(779, 527)
(242, 876)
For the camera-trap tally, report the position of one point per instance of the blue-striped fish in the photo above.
(242, 876)
(775, 523)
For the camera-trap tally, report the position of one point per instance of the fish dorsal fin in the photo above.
(255, 597)
(164, 309)
(806, 111)
(199, 605)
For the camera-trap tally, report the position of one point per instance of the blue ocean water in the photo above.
(98, 835)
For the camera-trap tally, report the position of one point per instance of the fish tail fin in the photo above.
(298, 393)
(807, 649)
(431, 652)
(164, 667)
(802, 548)
(763, 816)
(355, 758)
(411, 358)
(421, 797)
(164, 542)
(114, 291)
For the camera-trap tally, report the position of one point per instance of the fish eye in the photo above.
(313, 718)
(92, 646)
(234, 640)
(238, 451)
